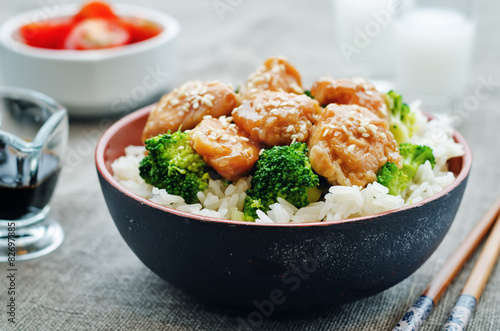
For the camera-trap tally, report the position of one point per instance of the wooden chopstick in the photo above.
(466, 303)
(421, 309)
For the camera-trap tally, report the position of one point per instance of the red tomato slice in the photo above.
(95, 26)
(97, 33)
(140, 29)
(48, 34)
(95, 9)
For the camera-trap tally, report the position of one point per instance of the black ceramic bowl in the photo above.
(288, 266)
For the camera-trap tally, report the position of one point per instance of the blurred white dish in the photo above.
(94, 83)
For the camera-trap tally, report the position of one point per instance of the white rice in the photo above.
(340, 202)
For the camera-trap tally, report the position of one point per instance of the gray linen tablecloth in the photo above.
(94, 282)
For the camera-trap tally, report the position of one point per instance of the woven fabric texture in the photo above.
(95, 282)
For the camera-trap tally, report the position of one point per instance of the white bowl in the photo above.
(94, 83)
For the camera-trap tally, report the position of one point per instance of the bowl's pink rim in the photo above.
(110, 132)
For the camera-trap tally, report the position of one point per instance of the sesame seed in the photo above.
(372, 127)
(207, 117)
(344, 128)
(296, 88)
(207, 102)
(244, 138)
(361, 129)
(383, 135)
(290, 128)
(261, 151)
(275, 69)
(351, 148)
(271, 119)
(258, 79)
(326, 132)
(161, 105)
(365, 135)
(294, 136)
(233, 140)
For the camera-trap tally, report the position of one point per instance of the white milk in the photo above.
(433, 50)
(364, 28)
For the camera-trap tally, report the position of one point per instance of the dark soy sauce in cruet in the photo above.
(23, 191)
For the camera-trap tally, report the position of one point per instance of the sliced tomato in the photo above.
(95, 26)
(140, 29)
(95, 9)
(47, 34)
(97, 33)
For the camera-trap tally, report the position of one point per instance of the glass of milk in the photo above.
(365, 32)
(433, 48)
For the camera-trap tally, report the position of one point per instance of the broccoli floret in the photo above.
(413, 156)
(401, 119)
(172, 164)
(281, 172)
(393, 178)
